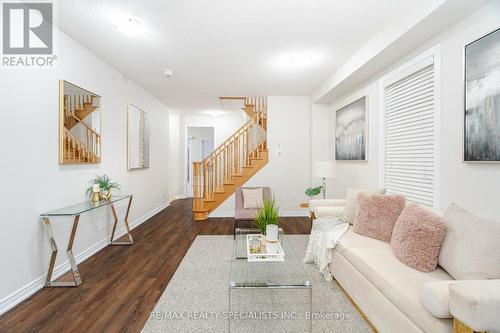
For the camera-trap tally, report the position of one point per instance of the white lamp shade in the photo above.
(323, 169)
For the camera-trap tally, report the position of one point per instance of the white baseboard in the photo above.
(177, 197)
(26, 291)
(285, 213)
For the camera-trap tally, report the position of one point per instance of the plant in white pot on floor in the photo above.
(267, 220)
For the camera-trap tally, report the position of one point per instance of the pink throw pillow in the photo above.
(377, 214)
(417, 238)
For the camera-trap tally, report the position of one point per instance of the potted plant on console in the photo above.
(104, 185)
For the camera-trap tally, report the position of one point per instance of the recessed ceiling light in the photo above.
(214, 113)
(128, 25)
(168, 73)
(302, 58)
(296, 60)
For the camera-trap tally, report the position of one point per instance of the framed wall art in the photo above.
(482, 99)
(351, 131)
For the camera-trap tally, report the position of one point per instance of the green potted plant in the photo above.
(313, 191)
(105, 186)
(267, 214)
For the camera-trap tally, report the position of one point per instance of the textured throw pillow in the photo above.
(417, 238)
(377, 214)
(252, 198)
(351, 202)
(471, 249)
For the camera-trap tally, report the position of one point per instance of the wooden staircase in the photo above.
(76, 109)
(233, 163)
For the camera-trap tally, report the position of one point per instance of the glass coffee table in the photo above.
(268, 296)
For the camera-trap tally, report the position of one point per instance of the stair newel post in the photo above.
(231, 160)
(204, 180)
(247, 146)
(195, 185)
(209, 180)
(252, 129)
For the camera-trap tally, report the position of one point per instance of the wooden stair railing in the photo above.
(232, 163)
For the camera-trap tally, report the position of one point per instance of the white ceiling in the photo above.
(228, 47)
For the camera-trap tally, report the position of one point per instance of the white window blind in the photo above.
(410, 134)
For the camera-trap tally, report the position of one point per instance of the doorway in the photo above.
(200, 144)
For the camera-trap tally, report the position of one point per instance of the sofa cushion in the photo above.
(398, 282)
(377, 214)
(471, 248)
(435, 297)
(476, 303)
(351, 202)
(417, 238)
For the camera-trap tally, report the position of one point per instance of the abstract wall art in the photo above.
(351, 131)
(138, 138)
(482, 99)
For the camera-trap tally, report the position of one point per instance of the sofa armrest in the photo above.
(476, 303)
(314, 203)
(328, 211)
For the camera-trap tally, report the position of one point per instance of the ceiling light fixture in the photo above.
(296, 61)
(168, 73)
(215, 113)
(128, 25)
(301, 58)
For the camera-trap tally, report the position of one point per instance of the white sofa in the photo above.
(392, 295)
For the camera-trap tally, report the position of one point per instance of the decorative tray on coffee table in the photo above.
(261, 250)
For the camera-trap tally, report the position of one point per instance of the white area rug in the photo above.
(197, 298)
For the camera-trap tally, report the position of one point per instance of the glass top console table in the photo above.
(75, 211)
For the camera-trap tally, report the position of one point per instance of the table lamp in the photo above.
(323, 169)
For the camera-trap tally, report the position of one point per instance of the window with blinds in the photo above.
(410, 134)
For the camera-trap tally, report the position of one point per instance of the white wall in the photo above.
(287, 172)
(33, 182)
(473, 186)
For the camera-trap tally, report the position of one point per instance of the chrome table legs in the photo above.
(130, 240)
(69, 252)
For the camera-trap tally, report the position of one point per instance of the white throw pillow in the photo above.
(471, 248)
(252, 198)
(351, 202)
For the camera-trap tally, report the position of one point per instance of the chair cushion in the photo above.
(351, 202)
(377, 214)
(252, 198)
(399, 283)
(417, 238)
(435, 296)
(471, 248)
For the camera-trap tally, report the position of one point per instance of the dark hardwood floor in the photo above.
(121, 284)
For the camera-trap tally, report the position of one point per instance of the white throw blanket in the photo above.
(325, 234)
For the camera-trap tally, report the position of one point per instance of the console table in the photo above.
(75, 211)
